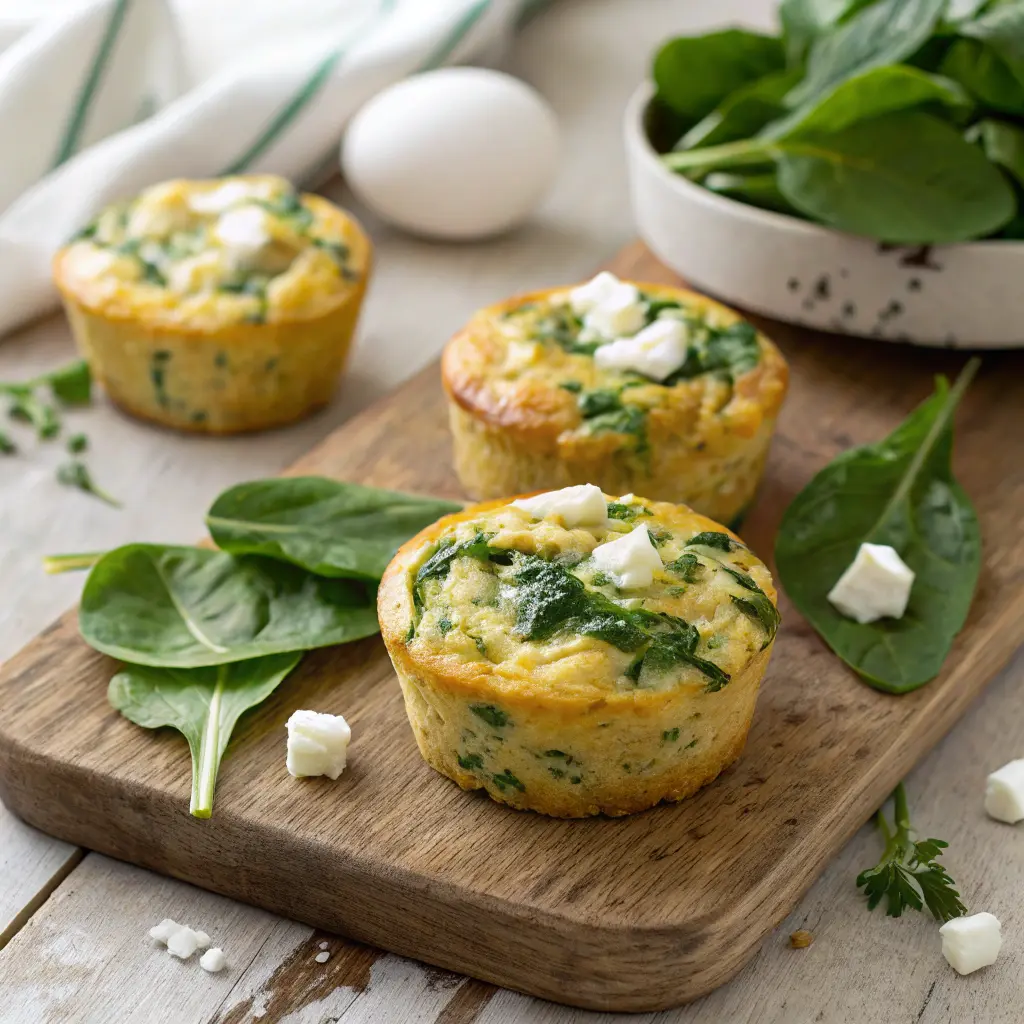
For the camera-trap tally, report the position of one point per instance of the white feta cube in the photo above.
(585, 297)
(183, 943)
(620, 314)
(161, 932)
(876, 585)
(1004, 793)
(243, 230)
(969, 943)
(90, 263)
(202, 939)
(317, 744)
(631, 559)
(656, 351)
(322, 957)
(580, 505)
(213, 960)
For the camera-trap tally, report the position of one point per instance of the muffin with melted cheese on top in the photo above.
(576, 654)
(217, 306)
(635, 387)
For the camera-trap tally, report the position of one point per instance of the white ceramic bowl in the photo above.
(969, 295)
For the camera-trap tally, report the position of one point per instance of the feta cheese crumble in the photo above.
(317, 744)
(969, 943)
(213, 960)
(582, 504)
(183, 943)
(630, 559)
(609, 307)
(161, 932)
(243, 229)
(876, 585)
(219, 199)
(322, 957)
(656, 351)
(1004, 793)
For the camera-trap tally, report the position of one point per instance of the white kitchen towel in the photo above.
(100, 98)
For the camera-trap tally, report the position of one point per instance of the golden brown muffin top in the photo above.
(531, 365)
(204, 254)
(505, 600)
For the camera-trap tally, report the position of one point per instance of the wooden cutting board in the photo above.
(637, 913)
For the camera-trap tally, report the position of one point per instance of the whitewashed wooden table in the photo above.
(73, 925)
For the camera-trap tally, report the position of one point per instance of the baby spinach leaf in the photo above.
(866, 95)
(1001, 26)
(744, 112)
(1003, 144)
(899, 492)
(905, 177)
(203, 704)
(674, 643)
(803, 21)
(329, 527)
(756, 189)
(886, 32)
(694, 74)
(182, 607)
(983, 73)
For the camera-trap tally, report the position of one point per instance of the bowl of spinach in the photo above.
(860, 171)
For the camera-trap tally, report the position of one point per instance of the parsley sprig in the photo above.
(909, 873)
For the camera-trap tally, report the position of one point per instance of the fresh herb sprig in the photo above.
(909, 875)
(75, 473)
(863, 115)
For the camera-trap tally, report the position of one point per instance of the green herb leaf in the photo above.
(804, 21)
(905, 178)
(326, 526)
(1003, 144)
(694, 74)
(983, 73)
(1001, 27)
(203, 704)
(899, 492)
(7, 446)
(869, 94)
(744, 112)
(72, 383)
(77, 443)
(909, 874)
(75, 473)
(182, 607)
(626, 513)
(493, 716)
(886, 32)
(41, 415)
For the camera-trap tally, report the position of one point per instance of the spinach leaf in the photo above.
(905, 177)
(710, 539)
(182, 607)
(674, 644)
(603, 410)
(71, 383)
(1002, 28)
(626, 513)
(1003, 144)
(730, 351)
(688, 566)
(326, 526)
(755, 189)
(203, 704)
(803, 21)
(866, 95)
(886, 32)
(694, 74)
(743, 113)
(900, 492)
(984, 75)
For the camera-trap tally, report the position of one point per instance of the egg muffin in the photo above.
(217, 306)
(577, 654)
(636, 387)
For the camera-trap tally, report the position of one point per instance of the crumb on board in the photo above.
(801, 939)
(322, 957)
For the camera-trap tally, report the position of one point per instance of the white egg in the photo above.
(457, 153)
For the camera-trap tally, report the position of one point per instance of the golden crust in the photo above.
(212, 372)
(516, 431)
(630, 747)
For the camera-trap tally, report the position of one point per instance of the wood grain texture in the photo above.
(636, 914)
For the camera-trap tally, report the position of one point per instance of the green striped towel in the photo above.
(101, 98)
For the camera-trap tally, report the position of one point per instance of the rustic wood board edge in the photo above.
(624, 968)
